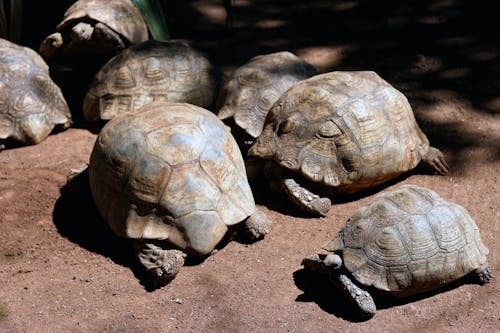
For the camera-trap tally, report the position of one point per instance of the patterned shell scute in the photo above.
(152, 71)
(411, 239)
(170, 171)
(254, 87)
(31, 104)
(347, 130)
(120, 15)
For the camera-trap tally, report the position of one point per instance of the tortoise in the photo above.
(338, 133)
(95, 27)
(31, 104)
(151, 71)
(171, 178)
(404, 242)
(253, 88)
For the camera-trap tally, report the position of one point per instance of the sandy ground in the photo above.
(61, 270)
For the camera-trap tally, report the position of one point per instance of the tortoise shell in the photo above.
(408, 241)
(31, 104)
(170, 171)
(254, 87)
(94, 29)
(345, 130)
(151, 71)
(120, 15)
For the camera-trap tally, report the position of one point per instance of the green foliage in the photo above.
(152, 13)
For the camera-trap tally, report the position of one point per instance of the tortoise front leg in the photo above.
(305, 199)
(434, 159)
(51, 45)
(329, 265)
(163, 265)
(361, 299)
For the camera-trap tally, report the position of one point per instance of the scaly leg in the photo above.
(361, 299)
(305, 199)
(257, 225)
(434, 159)
(163, 265)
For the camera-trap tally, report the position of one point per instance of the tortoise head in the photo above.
(301, 136)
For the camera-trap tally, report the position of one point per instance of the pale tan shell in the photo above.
(253, 88)
(31, 104)
(345, 130)
(170, 171)
(151, 71)
(120, 15)
(408, 241)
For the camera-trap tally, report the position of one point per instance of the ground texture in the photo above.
(61, 270)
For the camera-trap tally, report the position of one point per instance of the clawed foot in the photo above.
(436, 161)
(484, 275)
(306, 200)
(163, 265)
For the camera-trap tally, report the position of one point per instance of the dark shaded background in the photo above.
(432, 51)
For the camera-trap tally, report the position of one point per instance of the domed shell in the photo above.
(254, 87)
(120, 15)
(345, 130)
(408, 241)
(172, 172)
(31, 104)
(152, 71)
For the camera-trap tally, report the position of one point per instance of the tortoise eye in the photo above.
(328, 130)
(285, 127)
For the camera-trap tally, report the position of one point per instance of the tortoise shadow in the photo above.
(318, 289)
(76, 218)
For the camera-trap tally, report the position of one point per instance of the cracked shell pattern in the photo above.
(170, 171)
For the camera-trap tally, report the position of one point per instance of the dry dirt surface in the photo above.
(61, 270)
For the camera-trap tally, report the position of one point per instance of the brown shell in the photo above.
(31, 104)
(254, 87)
(345, 130)
(151, 71)
(120, 15)
(410, 240)
(170, 171)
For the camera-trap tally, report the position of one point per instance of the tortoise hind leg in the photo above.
(163, 265)
(483, 274)
(256, 225)
(361, 299)
(434, 159)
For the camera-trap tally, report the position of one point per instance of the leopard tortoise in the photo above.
(151, 71)
(31, 104)
(171, 178)
(404, 242)
(253, 88)
(95, 28)
(340, 132)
